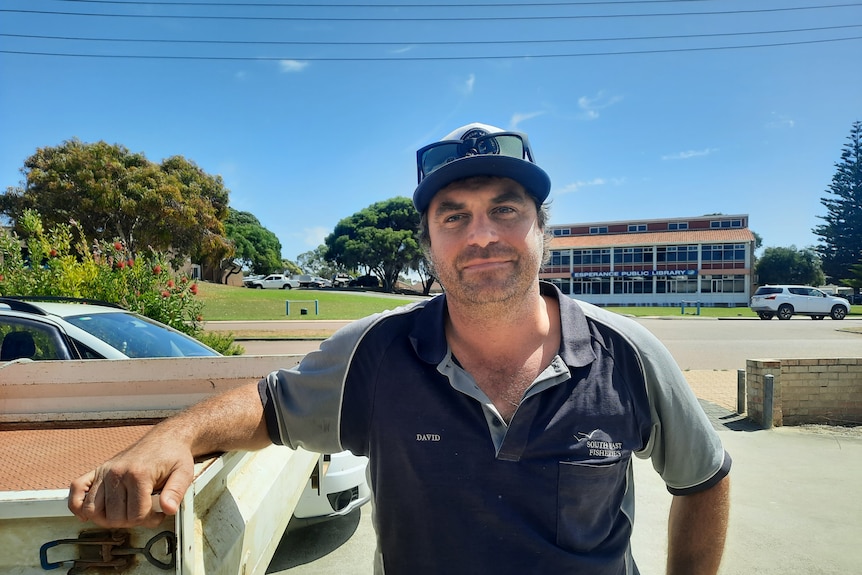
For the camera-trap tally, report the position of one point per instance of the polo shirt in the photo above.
(457, 490)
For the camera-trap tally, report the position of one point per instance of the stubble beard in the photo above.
(495, 288)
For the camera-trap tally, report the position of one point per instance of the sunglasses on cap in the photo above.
(434, 156)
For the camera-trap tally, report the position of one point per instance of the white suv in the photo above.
(785, 301)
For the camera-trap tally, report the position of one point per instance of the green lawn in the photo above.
(223, 302)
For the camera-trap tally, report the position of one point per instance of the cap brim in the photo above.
(532, 177)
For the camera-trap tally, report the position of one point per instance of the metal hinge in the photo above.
(111, 549)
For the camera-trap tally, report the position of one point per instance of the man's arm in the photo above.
(119, 492)
(696, 530)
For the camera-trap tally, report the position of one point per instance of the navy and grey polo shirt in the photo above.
(457, 490)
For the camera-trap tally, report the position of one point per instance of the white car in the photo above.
(274, 281)
(65, 328)
(785, 301)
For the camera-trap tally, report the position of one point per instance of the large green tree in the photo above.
(381, 238)
(114, 193)
(257, 248)
(840, 244)
(789, 266)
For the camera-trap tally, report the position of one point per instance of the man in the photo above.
(499, 419)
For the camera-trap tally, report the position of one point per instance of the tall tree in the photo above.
(381, 237)
(789, 266)
(840, 244)
(257, 248)
(113, 193)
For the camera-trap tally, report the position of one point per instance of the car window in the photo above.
(136, 336)
(23, 339)
(799, 291)
(764, 290)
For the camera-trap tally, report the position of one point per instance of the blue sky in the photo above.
(311, 113)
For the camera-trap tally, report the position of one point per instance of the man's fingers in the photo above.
(175, 488)
(78, 492)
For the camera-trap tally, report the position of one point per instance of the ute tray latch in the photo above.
(111, 549)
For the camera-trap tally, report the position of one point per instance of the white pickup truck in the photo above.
(61, 419)
(273, 281)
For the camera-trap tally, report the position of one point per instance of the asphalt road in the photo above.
(784, 519)
(695, 342)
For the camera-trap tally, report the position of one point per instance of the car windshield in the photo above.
(137, 336)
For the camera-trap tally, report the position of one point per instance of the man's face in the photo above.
(486, 244)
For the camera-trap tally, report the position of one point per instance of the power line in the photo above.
(432, 18)
(429, 58)
(425, 43)
(366, 5)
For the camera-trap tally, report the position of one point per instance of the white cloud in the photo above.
(591, 106)
(467, 87)
(779, 121)
(288, 66)
(314, 236)
(689, 154)
(578, 186)
(518, 118)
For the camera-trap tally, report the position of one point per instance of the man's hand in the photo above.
(119, 493)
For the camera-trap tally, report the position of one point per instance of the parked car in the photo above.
(65, 329)
(341, 280)
(275, 281)
(246, 281)
(785, 301)
(365, 281)
(310, 281)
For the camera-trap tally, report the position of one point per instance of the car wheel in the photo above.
(259, 286)
(785, 311)
(286, 286)
(838, 312)
(764, 315)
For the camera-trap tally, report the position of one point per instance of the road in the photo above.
(696, 343)
(346, 545)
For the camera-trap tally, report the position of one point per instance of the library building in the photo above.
(705, 260)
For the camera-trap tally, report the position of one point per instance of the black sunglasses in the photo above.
(436, 155)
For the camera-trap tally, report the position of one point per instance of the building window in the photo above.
(677, 225)
(637, 227)
(562, 232)
(676, 253)
(561, 258)
(724, 253)
(724, 224)
(599, 230)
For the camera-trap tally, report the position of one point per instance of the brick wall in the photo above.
(807, 390)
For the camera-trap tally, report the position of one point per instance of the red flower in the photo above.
(157, 269)
(121, 264)
(130, 263)
(53, 253)
(199, 318)
(194, 289)
(170, 283)
(118, 246)
(166, 293)
(2, 278)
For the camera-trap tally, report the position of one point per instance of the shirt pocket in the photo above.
(589, 503)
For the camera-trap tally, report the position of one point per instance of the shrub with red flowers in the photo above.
(60, 262)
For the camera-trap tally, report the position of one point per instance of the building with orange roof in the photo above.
(675, 261)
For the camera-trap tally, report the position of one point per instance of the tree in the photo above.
(840, 244)
(315, 262)
(381, 237)
(112, 193)
(789, 266)
(257, 248)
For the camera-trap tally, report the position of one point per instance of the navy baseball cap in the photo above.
(478, 150)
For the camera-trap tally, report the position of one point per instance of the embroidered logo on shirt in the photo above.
(600, 444)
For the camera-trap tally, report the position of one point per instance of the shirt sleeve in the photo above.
(302, 405)
(684, 447)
